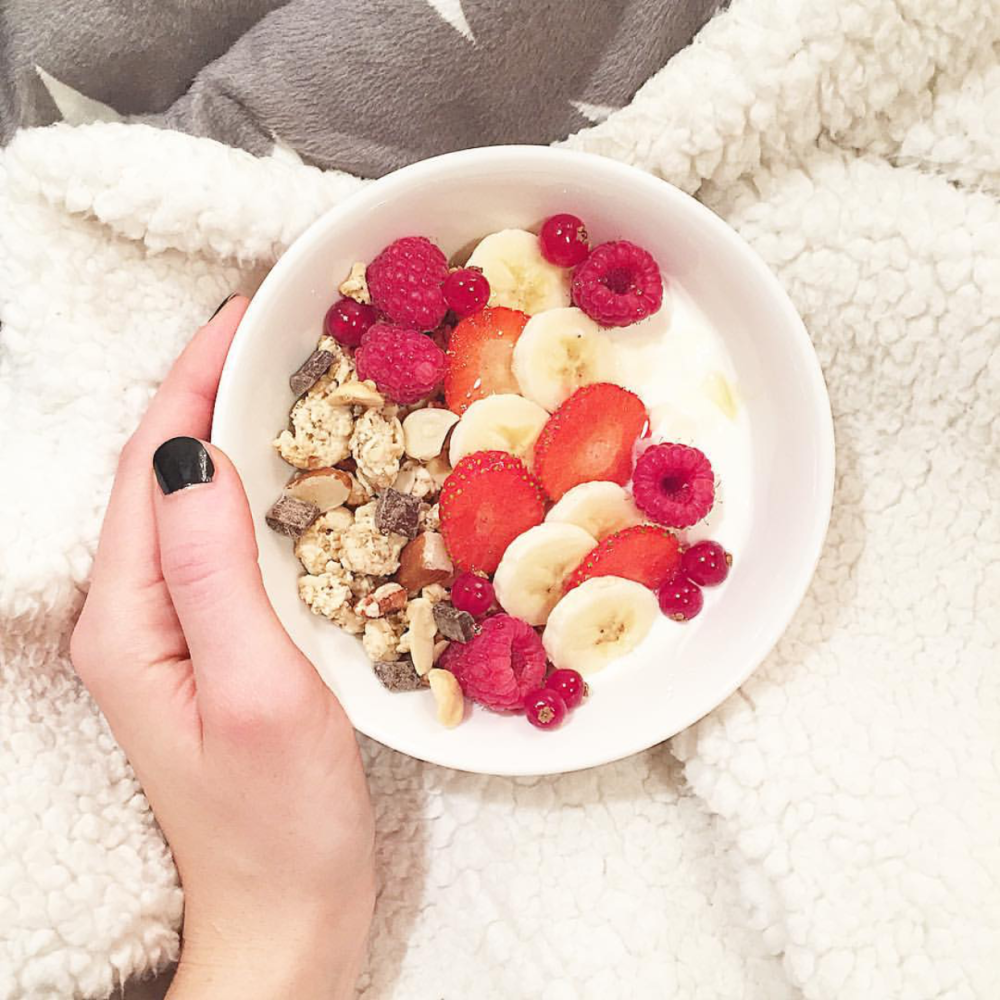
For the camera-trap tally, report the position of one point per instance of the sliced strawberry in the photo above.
(645, 553)
(590, 437)
(480, 353)
(486, 502)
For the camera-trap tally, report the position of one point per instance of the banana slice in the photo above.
(530, 577)
(559, 351)
(600, 508)
(519, 276)
(505, 422)
(599, 621)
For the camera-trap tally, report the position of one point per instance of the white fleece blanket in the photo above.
(833, 830)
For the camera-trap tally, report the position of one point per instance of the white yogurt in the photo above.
(672, 361)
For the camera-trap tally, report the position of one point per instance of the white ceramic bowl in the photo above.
(458, 198)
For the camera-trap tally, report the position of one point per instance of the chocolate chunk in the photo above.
(291, 517)
(399, 512)
(458, 626)
(398, 675)
(312, 370)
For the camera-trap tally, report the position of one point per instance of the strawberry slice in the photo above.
(487, 501)
(480, 354)
(646, 553)
(590, 437)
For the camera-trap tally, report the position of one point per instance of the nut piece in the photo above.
(423, 562)
(326, 488)
(448, 695)
(356, 393)
(381, 601)
(424, 432)
(398, 675)
(291, 517)
(439, 469)
(439, 647)
(419, 637)
(310, 372)
(397, 512)
(355, 286)
(459, 626)
(414, 479)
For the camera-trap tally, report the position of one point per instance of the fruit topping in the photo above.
(404, 364)
(466, 291)
(563, 240)
(569, 685)
(499, 666)
(645, 553)
(472, 594)
(590, 437)
(480, 353)
(680, 599)
(488, 500)
(346, 321)
(545, 708)
(674, 484)
(618, 284)
(706, 563)
(405, 280)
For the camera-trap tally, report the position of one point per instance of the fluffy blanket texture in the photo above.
(833, 830)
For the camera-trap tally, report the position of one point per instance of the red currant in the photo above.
(706, 563)
(466, 291)
(473, 594)
(569, 685)
(680, 599)
(544, 708)
(346, 321)
(564, 240)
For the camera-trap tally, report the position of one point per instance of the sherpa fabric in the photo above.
(831, 831)
(359, 85)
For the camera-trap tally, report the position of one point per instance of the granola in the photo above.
(321, 543)
(366, 550)
(376, 444)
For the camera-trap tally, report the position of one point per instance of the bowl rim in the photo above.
(647, 185)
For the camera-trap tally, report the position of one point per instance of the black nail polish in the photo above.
(182, 462)
(222, 305)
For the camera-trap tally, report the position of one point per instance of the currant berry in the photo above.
(680, 599)
(569, 685)
(563, 240)
(347, 321)
(473, 594)
(545, 708)
(706, 563)
(466, 291)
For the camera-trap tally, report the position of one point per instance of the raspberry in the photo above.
(405, 282)
(499, 666)
(618, 284)
(405, 365)
(674, 484)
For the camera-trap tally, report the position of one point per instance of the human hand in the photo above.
(247, 759)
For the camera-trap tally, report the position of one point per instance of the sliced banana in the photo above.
(530, 577)
(505, 422)
(559, 351)
(600, 508)
(599, 621)
(519, 276)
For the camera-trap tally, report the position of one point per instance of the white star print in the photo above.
(451, 11)
(76, 108)
(595, 112)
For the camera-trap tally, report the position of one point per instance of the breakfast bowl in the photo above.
(726, 364)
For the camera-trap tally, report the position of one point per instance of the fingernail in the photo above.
(222, 305)
(182, 462)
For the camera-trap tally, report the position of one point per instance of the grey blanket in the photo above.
(360, 85)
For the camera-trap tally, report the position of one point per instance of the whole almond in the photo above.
(424, 561)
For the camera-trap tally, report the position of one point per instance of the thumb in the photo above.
(208, 556)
